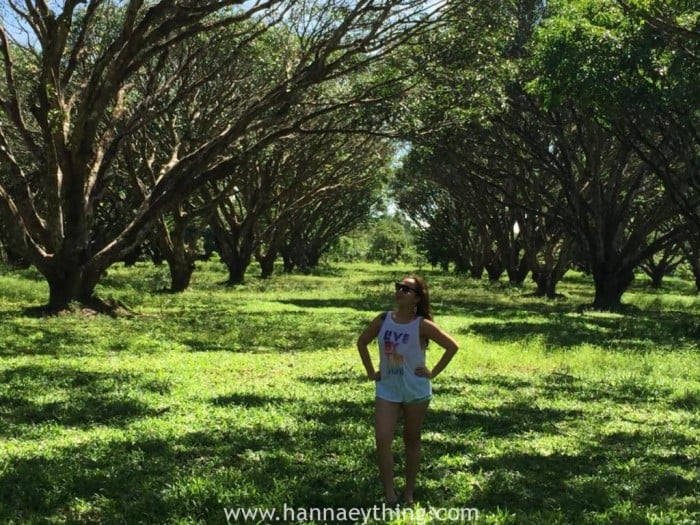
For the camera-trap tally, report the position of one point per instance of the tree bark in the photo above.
(610, 284)
(549, 268)
(476, 271)
(657, 270)
(461, 266)
(494, 270)
(236, 257)
(657, 277)
(547, 282)
(518, 268)
(267, 264)
(70, 282)
(181, 271)
(695, 268)
(237, 267)
(288, 263)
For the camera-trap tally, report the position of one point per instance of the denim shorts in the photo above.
(397, 393)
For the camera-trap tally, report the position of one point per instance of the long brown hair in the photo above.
(423, 307)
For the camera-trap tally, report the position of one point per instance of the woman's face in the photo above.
(407, 291)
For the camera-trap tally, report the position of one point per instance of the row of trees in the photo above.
(123, 122)
(569, 135)
(539, 134)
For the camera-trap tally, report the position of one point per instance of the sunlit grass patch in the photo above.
(254, 396)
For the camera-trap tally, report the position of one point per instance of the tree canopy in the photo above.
(539, 136)
(97, 81)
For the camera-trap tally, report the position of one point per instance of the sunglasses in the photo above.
(404, 288)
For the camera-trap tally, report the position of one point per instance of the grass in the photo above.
(254, 397)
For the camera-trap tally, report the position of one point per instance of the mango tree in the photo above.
(68, 106)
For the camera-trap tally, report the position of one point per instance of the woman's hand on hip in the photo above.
(424, 371)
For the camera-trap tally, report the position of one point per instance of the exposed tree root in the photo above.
(88, 308)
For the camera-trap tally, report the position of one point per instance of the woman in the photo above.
(403, 379)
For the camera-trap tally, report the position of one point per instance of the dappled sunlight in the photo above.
(255, 396)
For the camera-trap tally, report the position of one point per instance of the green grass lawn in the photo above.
(255, 397)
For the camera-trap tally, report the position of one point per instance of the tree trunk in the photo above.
(171, 243)
(266, 254)
(658, 270)
(180, 274)
(73, 270)
(236, 247)
(63, 289)
(68, 283)
(518, 270)
(495, 270)
(691, 254)
(295, 257)
(302, 262)
(546, 285)
(237, 267)
(288, 263)
(476, 271)
(132, 256)
(695, 268)
(267, 264)
(461, 266)
(14, 259)
(542, 285)
(313, 258)
(554, 265)
(609, 286)
(657, 277)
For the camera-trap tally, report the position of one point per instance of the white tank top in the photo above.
(400, 352)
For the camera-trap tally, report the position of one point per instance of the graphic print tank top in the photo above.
(400, 352)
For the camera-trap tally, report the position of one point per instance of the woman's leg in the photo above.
(386, 415)
(413, 423)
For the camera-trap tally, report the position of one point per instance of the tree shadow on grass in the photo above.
(361, 304)
(675, 285)
(89, 398)
(326, 460)
(510, 419)
(633, 389)
(505, 308)
(629, 390)
(651, 468)
(458, 386)
(193, 477)
(331, 452)
(36, 339)
(262, 332)
(616, 470)
(119, 478)
(329, 416)
(635, 332)
(248, 401)
(689, 400)
(188, 479)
